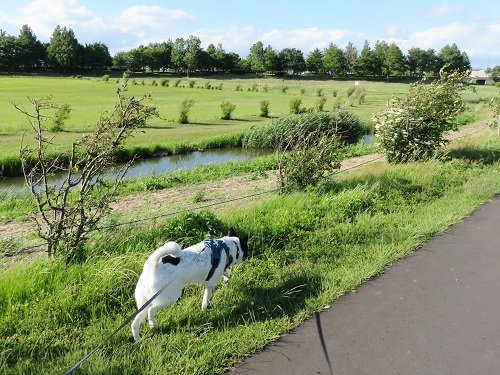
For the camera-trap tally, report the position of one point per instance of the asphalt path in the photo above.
(437, 311)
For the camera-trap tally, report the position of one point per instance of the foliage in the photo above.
(227, 109)
(62, 114)
(295, 104)
(494, 104)
(413, 128)
(264, 108)
(308, 248)
(279, 133)
(67, 214)
(308, 160)
(184, 109)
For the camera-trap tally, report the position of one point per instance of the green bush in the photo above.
(227, 110)
(413, 128)
(184, 109)
(264, 108)
(280, 132)
(295, 104)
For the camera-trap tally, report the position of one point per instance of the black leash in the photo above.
(126, 322)
(323, 344)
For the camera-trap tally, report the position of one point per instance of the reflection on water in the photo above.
(162, 164)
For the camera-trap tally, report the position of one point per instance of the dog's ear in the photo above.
(244, 246)
(231, 233)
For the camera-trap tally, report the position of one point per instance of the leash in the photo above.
(126, 322)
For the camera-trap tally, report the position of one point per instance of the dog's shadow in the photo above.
(247, 304)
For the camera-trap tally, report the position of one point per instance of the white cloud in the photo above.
(444, 10)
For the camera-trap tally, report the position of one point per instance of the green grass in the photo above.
(307, 249)
(89, 97)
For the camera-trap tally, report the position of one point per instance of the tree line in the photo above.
(184, 55)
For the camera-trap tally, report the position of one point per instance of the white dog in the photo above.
(172, 268)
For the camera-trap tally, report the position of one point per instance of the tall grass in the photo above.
(307, 249)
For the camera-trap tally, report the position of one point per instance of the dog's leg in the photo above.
(209, 289)
(136, 324)
(151, 314)
(225, 276)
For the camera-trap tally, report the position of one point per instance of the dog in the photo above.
(172, 268)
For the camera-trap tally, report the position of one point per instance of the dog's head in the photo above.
(243, 242)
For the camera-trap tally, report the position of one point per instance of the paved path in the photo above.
(435, 312)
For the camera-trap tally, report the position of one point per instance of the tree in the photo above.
(96, 56)
(9, 54)
(351, 58)
(192, 53)
(178, 53)
(63, 49)
(451, 59)
(334, 61)
(67, 214)
(412, 128)
(314, 61)
(379, 58)
(366, 61)
(292, 59)
(394, 63)
(31, 51)
(256, 58)
(494, 72)
(158, 55)
(271, 60)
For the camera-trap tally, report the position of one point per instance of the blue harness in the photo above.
(217, 246)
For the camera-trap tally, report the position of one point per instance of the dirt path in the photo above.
(222, 194)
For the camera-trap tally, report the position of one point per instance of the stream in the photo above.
(161, 164)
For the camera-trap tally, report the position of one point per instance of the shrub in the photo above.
(320, 103)
(227, 110)
(105, 77)
(280, 132)
(413, 128)
(295, 105)
(264, 108)
(184, 109)
(62, 114)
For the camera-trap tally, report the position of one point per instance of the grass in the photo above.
(89, 97)
(307, 249)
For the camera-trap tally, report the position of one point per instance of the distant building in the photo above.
(481, 77)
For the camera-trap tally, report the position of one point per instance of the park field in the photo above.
(89, 97)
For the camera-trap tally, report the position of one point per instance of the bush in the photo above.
(280, 132)
(413, 128)
(61, 115)
(184, 109)
(264, 108)
(295, 105)
(227, 110)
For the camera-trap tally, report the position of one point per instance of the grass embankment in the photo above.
(307, 249)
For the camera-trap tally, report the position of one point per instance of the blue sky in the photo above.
(122, 25)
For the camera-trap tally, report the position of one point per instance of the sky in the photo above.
(474, 26)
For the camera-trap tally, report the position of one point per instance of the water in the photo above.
(161, 164)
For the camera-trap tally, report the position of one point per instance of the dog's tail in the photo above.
(167, 253)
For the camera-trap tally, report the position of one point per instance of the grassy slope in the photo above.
(308, 248)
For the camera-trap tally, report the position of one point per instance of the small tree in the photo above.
(62, 114)
(184, 109)
(413, 128)
(264, 108)
(494, 104)
(227, 109)
(67, 214)
(309, 157)
(295, 104)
